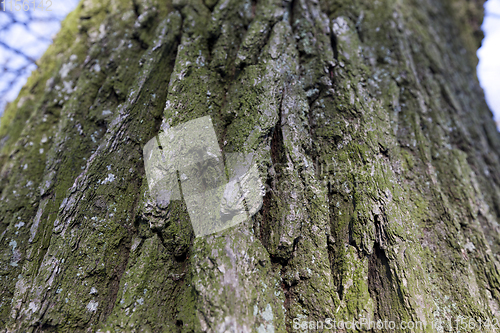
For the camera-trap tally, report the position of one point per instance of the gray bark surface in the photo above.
(379, 156)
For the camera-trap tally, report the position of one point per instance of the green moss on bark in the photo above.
(369, 130)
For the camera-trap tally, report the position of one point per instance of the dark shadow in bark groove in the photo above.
(114, 283)
(341, 235)
(270, 204)
(389, 303)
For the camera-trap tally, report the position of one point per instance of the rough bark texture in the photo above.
(379, 154)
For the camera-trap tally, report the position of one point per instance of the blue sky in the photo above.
(32, 39)
(35, 41)
(488, 70)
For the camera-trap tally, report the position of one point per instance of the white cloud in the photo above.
(488, 70)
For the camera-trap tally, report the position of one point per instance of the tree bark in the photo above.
(379, 156)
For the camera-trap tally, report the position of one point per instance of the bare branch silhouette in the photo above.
(17, 60)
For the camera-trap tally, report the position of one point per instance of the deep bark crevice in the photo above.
(271, 199)
(391, 118)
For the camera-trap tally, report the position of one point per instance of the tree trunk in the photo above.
(379, 157)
